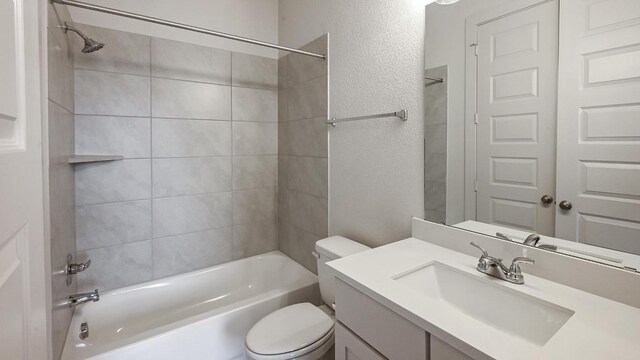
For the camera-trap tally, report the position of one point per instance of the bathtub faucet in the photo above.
(77, 299)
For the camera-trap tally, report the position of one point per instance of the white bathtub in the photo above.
(204, 314)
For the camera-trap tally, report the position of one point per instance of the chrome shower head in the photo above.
(90, 45)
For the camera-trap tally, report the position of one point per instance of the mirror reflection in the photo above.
(532, 123)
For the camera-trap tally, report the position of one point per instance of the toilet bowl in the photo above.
(303, 331)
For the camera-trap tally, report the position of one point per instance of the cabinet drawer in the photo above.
(351, 347)
(389, 333)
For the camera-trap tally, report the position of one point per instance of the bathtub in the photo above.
(204, 314)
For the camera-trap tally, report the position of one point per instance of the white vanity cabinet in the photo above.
(374, 326)
(367, 330)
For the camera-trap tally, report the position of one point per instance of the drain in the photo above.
(84, 331)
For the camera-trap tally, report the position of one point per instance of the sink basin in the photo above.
(491, 303)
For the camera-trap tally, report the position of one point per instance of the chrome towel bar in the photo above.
(402, 114)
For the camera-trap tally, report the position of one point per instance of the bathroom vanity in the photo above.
(414, 299)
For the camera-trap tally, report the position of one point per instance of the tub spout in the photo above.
(77, 299)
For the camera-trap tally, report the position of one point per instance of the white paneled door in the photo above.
(599, 123)
(23, 294)
(516, 118)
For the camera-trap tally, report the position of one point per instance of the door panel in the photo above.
(599, 123)
(23, 285)
(516, 106)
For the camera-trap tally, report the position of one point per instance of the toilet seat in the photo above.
(300, 330)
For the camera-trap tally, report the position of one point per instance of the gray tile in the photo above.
(303, 68)
(189, 176)
(174, 138)
(112, 224)
(186, 214)
(112, 181)
(255, 138)
(183, 253)
(283, 73)
(255, 204)
(301, 247)
(101, 93)
(435, 196)
(435, 167)
(284, 146)
(179, 60)
(124, 52)
(115, 267)
(435, 216)
(435, 139)
(255, 238)
(308, 212)
(255, 171)
(190, 100)
(283, 171)
(254, 105)
(108, 135)
(436, 96)
(60, 69)
(307, 137)
(308, 100)
(254, 71)
(308, 175)
(61, 135)
(283, 105)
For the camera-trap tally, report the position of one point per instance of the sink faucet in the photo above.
(77, 299)
(531, 240)
(493, 266)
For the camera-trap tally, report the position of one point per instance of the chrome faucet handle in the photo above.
(484, 252)
(76, 268)
(515, 264)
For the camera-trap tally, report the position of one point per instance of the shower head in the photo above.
(90, 45)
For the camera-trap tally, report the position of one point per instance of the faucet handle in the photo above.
(515, 264)
(484, 252)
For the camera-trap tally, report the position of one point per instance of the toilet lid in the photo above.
(288, 329)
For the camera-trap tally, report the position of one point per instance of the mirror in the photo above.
(532, 123)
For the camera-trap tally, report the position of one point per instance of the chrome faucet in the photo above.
(531, 240)
(77, 299)
(493, 266)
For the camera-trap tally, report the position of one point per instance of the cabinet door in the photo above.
(351, 347)
(443, 351)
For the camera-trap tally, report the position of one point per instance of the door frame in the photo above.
(471, 75)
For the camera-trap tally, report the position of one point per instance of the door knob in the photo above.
(565, 205)
(546, 199)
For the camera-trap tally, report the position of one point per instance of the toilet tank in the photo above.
(328, 249)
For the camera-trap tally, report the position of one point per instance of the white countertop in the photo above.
(599, 329)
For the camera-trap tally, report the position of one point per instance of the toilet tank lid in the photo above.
(336, 247)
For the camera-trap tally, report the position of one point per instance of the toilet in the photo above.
(303, 331)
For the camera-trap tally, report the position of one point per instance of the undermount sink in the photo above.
(496, 305)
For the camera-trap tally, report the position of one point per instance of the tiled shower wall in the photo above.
(435, 146)
(197, 127)
(61, 188)
(303, 155)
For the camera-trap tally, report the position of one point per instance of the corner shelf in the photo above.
(81, 159)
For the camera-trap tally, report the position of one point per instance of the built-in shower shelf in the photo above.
(80, 159)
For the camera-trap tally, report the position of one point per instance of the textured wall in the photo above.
(302, 141)
(376, 65)
(61, 184)
(198, 129)
(249, 18)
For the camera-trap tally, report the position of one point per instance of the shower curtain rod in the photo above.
(150, 19)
